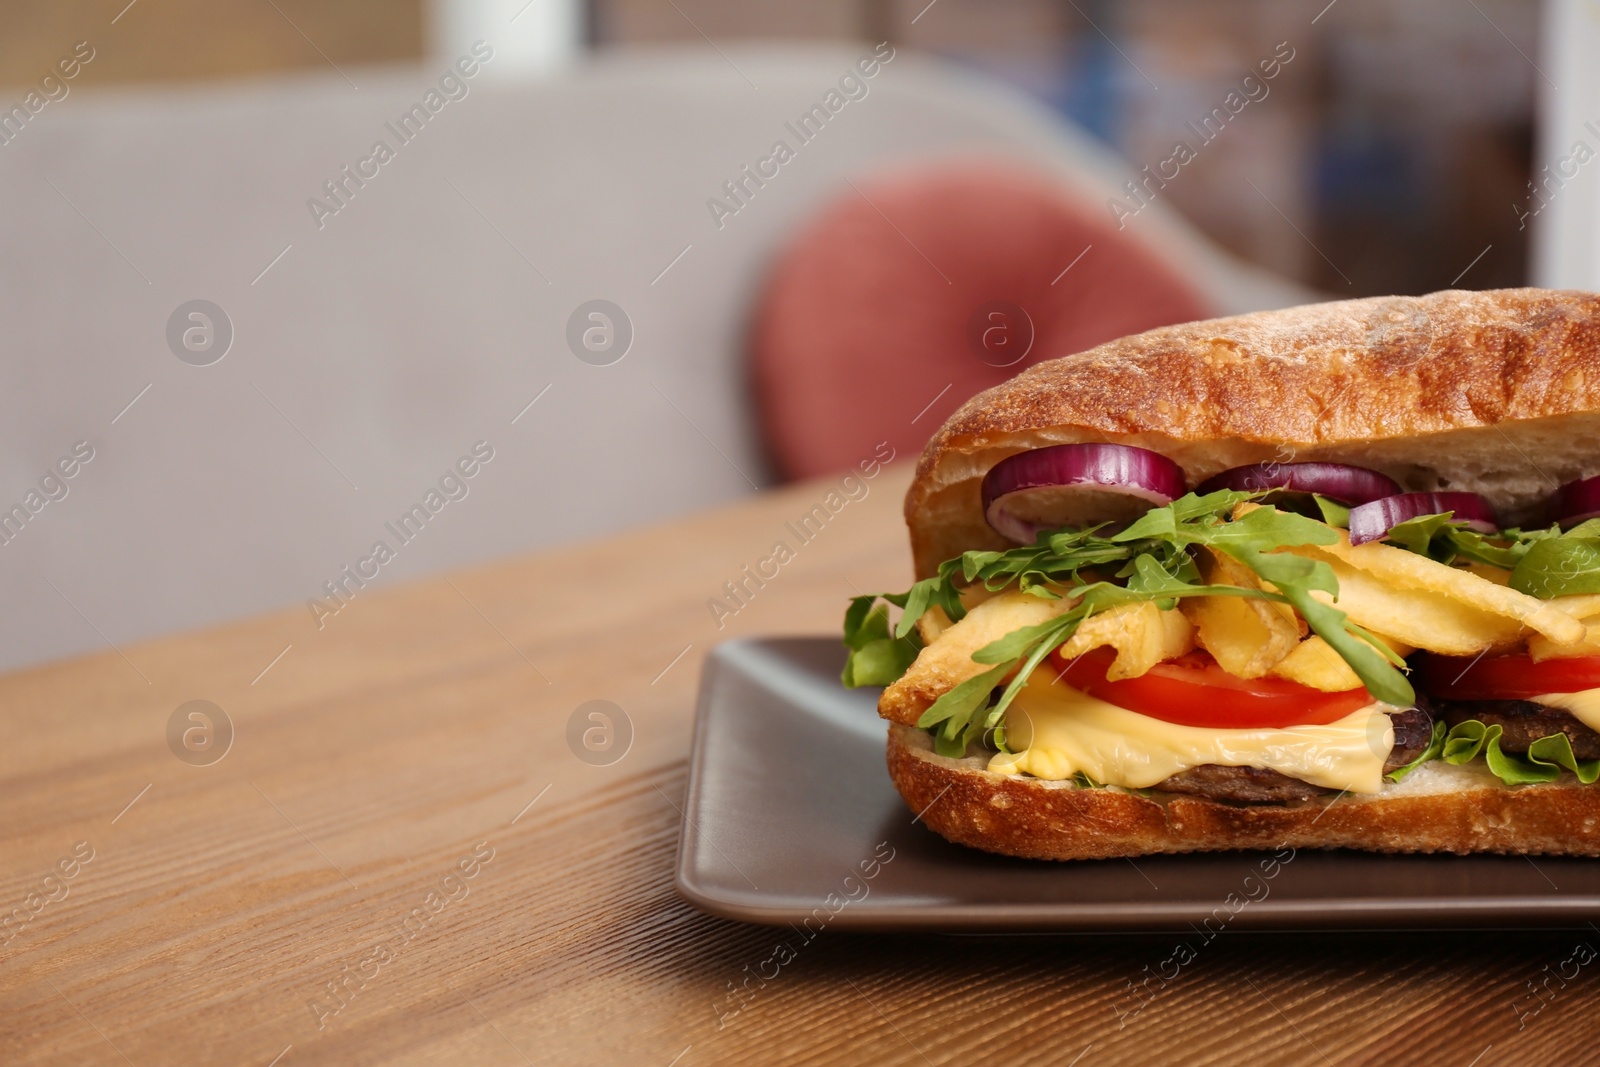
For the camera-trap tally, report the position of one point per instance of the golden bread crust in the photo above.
(1467, 811)
(1456, 389)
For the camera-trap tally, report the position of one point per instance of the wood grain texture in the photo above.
(421, 720)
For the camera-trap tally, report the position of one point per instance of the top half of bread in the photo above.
(1492, 392)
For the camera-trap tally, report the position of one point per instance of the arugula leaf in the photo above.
(918, 599)
(1016, 644)
(1149, 578)
(1267, 527)
(1333, 512)
(1560, 565)
(1047, 643)
(964, 699)
(1444, 539)
(1543, 563)
(1417, 535)
(953, 712)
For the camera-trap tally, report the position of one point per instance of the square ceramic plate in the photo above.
(790, 810)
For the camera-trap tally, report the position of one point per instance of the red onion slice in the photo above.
(1076, 485)
(1337, 481)
(1370, 522)
(1576, 501)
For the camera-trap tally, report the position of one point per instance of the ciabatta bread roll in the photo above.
(1492, 393)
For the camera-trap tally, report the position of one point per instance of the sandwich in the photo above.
(1322, 577)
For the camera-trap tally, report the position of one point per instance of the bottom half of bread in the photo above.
(1437, 808)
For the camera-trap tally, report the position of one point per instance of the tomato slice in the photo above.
(1193, 691)
(1513, 677)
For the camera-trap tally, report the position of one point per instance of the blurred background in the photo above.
(1400, 143)
(360, 335)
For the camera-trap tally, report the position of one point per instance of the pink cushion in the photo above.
(874, 309)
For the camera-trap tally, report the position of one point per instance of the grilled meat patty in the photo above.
(1524, 722)
(1413, 728)
(1239, 785)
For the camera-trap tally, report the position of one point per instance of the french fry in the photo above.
(1219, 568)
(1581, 606)
(1142, 634)
(1490, 573)
(1314, 663)
(1408, 570)
(1585, 606)
(1541, 648)
(1246, 636)
(949, 656)
(932, 623)
(1419, 617)
(1399, 648)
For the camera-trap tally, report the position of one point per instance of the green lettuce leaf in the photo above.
(1557, 749)
(1432, 752)
(876, 656)
(1543, 762)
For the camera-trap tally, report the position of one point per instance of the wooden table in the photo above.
(423, 730)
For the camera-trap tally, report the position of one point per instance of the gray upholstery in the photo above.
(416, 321)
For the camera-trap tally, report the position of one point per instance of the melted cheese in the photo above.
(1584, 706)
(1057, 732)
